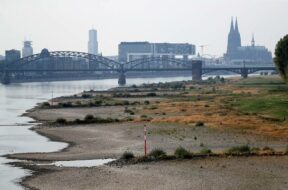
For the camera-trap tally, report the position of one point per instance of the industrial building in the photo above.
(12, 55)
(128, 51)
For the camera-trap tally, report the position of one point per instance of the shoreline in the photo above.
(38, 172)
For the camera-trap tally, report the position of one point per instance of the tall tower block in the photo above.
(93, 43)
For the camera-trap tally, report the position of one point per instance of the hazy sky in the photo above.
(64, 24)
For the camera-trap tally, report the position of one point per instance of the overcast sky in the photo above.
(64, 24)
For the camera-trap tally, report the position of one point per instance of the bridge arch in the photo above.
(23, 63)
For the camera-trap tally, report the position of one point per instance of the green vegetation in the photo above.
(61, 121)
(199, 124)
(281, 57)
(182, 153)
(157, 154)
(89, 119)
(267, 106)
(205, 151)
(127, 156)
(239, 150)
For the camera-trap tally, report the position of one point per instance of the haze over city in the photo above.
(64, 24)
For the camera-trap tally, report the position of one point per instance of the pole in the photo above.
(52, 99)
(145, 140)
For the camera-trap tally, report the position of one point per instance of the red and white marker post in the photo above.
(145, 140)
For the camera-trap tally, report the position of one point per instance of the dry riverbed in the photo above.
(190, 115)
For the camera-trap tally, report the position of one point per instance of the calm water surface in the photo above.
(15, 136)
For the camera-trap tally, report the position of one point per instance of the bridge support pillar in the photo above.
(122, 79)
(244, 73)
(6, 78)
(196, 70)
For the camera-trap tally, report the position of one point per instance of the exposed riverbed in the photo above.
(15, 136)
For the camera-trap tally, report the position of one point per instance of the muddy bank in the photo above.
(213, 173)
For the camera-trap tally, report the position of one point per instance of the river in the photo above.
(15, 136)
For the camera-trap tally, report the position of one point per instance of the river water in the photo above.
(15, 136)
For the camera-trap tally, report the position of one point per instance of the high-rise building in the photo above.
(12, 55)
(237, 53)
(93, 43)
(27, 49)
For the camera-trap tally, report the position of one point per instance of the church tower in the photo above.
(230, 38)
(234, 39)
(237, 35)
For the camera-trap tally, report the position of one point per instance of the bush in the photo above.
(151, 94)
(46, 104)
(61, 121)
(86, 96)
(182, 153)
(146, 102)
(127, 156)
(157, 154)
(268, 150)
(245, 149)
(205, 151)
(89, 117)
(199, 124)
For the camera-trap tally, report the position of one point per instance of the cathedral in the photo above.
(236, 53)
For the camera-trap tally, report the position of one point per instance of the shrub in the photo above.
(46, 104)
(205, 151)
(151, 94)
(89, 117)
(146, 102)
(86, 96)
(182, 153)
(61, 121)
(67, 105)
(199, 124)
(245, 149)
(268, 150)
(157, 154)
(127, 156)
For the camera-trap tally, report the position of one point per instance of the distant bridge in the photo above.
(70, 61)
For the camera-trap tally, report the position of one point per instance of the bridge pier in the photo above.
(244, 73)
(196, 70)
(6, 78)
(122, 79)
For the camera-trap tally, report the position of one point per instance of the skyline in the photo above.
(199, 23)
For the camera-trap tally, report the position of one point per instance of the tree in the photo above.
(281, 58)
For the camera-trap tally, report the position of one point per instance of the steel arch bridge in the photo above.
(34, 62)
(41, 63)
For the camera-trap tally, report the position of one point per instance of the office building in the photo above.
(93, 43)
(12, 55)
(27, 49)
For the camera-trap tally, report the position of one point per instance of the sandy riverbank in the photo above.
(95, 141)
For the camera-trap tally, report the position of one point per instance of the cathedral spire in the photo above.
(232, 26)
(236, 26)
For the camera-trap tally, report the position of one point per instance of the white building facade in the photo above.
(93, 42)
(27, 50)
